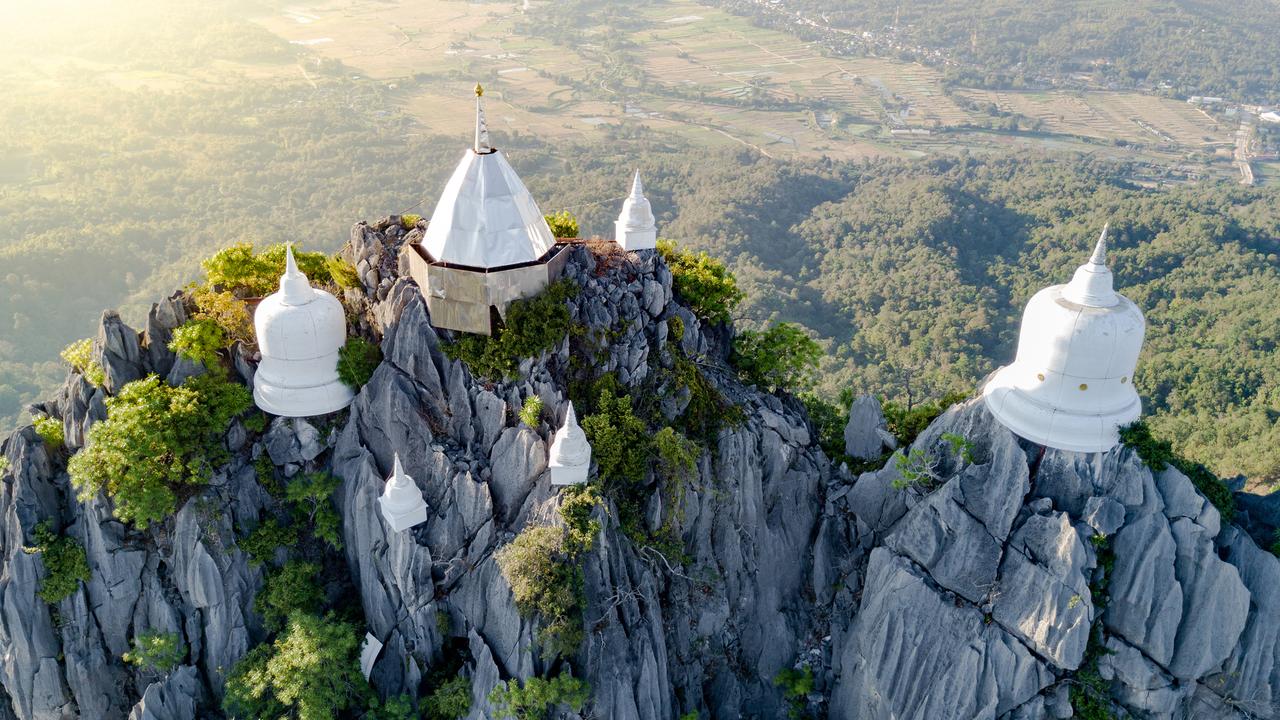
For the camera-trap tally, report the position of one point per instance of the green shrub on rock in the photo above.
(563, 224)
(241, 271)
(290, 589)
(357, 361)
(450, 701)
(50, 431)
(780, 358)
(533, 326)
(704, 283)
(156, 650)
(536, 696)
(79, 355)
(269, 536)
(546, 582)
(157, 442)
(200, 340)
(65, 562)
(531, 411)
(310, 672)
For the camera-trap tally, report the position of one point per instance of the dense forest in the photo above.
(1188, 47)
(912, 274)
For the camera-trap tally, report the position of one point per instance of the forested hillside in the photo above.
(1198, 47)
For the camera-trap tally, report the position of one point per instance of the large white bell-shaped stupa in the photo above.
(636, 229)
(401, 501)
(487, 243)
(300, 330)
(1071, 385)
(570, 459)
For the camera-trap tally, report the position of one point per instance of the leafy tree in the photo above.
(705, 284)
(310, 672)
(79, 355)
(157, 441)
(240, 270)
(399, 707)
(357, 361)
(65, 563)
(796, 686)
(156, 650)
(563, 224)
(312, 495)
(536, 696)
(450, 701)
(780, 358)
(290, 589)
(200, 340)
(619, 440)
(261, 544)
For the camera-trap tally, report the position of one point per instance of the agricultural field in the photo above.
(701, 74)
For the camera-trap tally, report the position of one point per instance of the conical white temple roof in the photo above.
(486, 218)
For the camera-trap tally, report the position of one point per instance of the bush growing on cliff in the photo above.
(563, 224)
(310, 672)
(79, 355)
(357, 360)
(290, 589)
(244, 273)
(533, 326)
(546, 582)
(536, 696)
(704, 283)
(619, 440)
(780, 358)
(450, 701)
(50, 431)
(65, 563)
(312, 495)
(157, 442)
(156, 650)
(907, 422)
(200, 340)
(269, 536)
(531, 411)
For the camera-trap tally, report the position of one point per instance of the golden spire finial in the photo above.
(479, 90)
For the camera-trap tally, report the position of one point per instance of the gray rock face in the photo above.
(966, 594)
(866, 435)
(120, 351)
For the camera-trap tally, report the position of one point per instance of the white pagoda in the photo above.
(1071, 385)
(636, 229)
(300, 330)
(487, 243)
(570, 460)
(401, 501)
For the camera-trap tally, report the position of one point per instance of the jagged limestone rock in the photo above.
(866, 432)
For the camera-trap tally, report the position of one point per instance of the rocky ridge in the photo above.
(986, 590)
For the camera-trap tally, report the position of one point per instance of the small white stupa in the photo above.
(1071, 385)
(487, 243)
(300, 330)
(636, 228)
(401, 502)
(570, 453)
